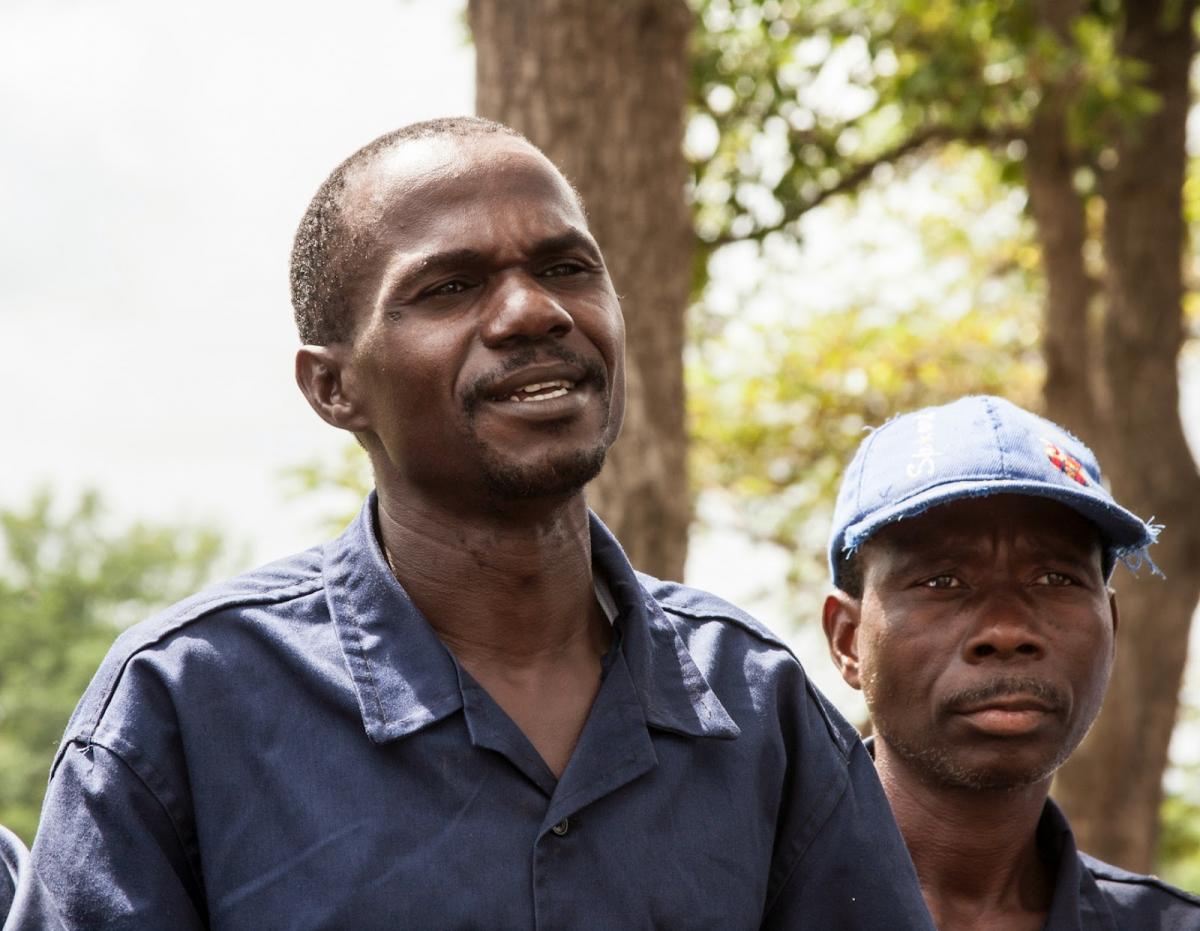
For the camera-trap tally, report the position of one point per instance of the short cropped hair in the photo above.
(850, 574)
(325, 246)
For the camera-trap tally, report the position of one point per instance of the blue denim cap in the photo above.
(972, 447)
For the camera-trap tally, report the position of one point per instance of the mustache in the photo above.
(1007, 686)
(480, 389)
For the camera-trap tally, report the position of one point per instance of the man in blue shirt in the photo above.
(468, 711)
(971, 549)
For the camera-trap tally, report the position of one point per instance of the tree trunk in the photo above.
(600, 88)
(1058, 211)
(1112, 786)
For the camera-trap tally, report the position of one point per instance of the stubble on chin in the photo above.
(941, 764)
(940, 767)
(552, 477)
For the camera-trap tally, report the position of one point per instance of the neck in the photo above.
(511, 585)
(975, 850)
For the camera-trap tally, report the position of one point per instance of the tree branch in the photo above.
(860, 173)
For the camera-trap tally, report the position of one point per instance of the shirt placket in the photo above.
(613, 750)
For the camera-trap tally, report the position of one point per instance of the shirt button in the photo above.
(562, 827)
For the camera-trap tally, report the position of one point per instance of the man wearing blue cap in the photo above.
(971, 549)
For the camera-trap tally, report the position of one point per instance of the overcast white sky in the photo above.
(155, 160)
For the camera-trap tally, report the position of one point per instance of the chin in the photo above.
(1002, 768)
(559, 477)
(1000, 779)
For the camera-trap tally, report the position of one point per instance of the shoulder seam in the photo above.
(272, 596)
(1103, 872)
(760, 634)
(120, 758)
(766, 636)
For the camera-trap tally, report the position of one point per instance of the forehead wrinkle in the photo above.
(961, 535)
(417, 178)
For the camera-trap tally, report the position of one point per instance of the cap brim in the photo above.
(1122, 531)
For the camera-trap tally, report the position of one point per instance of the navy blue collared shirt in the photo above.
(1090, 895)
(297, 749)
(25, 904)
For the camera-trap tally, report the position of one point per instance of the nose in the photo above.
(1006, 628)
(521, 310)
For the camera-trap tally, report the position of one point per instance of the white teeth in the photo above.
(558, 393)
(542, 391)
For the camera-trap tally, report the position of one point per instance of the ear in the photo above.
(1116, 615)
(320, 373)
(840, 617)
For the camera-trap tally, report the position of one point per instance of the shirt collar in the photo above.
(1076, 895)
(674, 693)
(405, 679)
(1078, 901)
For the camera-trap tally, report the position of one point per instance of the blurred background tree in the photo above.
(600, 88)
(69, 583)
(1079, 107)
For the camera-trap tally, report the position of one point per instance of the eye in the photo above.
(941, 581)
(447, 288)
(1056, 579)
(562, 270)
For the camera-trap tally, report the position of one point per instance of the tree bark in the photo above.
(1112, 786)
(1058, 210)
(600, 88)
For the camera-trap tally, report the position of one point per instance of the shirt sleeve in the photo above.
(108, 851)
(25, 903)
(847, 867)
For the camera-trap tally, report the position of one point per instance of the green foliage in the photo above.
(794, 102)
(781, 391)
(344, 481)
(68, 584)
(1191, 214)
(1179, 843)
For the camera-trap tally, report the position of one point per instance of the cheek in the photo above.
(1093, 676)
(879, 660)
(1088, 641)
(901, 661)
(601, 321)
(410, 373)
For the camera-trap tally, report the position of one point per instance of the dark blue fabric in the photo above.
(976, 446)
(25, 904)
(296, 749)
(1090, 895)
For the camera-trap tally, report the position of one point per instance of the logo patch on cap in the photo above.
(1065, 464)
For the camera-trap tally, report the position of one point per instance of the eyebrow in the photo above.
(909, 557)
(435, 263)
(571, 240)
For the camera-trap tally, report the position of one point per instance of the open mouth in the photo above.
(541, 391)
(541, 384)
